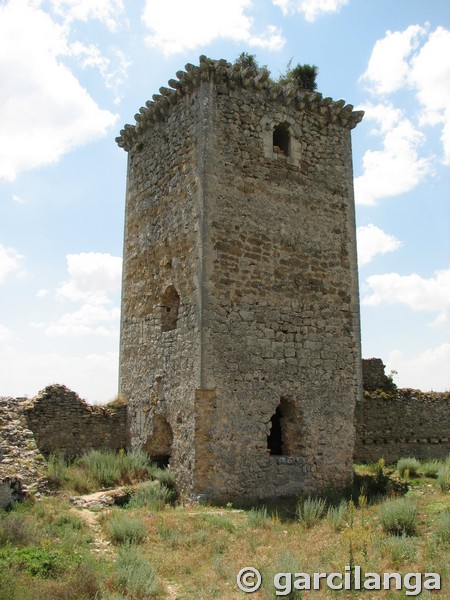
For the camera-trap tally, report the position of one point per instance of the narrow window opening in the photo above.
(281, 139)
(170, 304)
(159, 444)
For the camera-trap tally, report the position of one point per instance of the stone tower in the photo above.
(240, 341)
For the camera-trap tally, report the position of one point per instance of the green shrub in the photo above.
(442, 531)
(400, 549)
(430, 468)
(36, 561)
(107, 467)
(133, 465)
(151, 495)
(258, 517)
(56, 468)
(310, 511)
(410, 464)
(443, 478)
(80, 481)
(102, 465)
(123, 528)
(398, 516)
(134, 575)
(336, 516)
(165, 476)
(17, 529)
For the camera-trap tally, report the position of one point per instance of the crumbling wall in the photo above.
(240, 293)
(61, 421)
(374, 377)
(406, 423)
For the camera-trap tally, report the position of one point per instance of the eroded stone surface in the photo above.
(259, 245)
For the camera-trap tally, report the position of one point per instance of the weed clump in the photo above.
(134, 575)
(309, 511)
(152, 495)
(122, 528)
(443, 477)
(336, 516)
(410, 465)
(398, 516)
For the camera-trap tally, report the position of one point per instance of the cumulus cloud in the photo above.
(113, 70)
(396, 168)
(88, 320)
(417, 60)
(427, 371)
(44, 111)
(93, 276)
(10, 262)
(177, 25)
(372, 241)
(93, 280)
(311, 9)
(414, 291)
(108, 12)
(388, 69)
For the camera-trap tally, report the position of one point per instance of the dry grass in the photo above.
(195, 552)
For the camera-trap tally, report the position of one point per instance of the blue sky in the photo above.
(73, 72)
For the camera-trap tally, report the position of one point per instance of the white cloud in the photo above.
(388, 69)
(10, 261)
(18, 199)
(177, 25)
(439, 321)
(92, 277)
(113, 70)
(42, 293)
(108, 12)
(397, 167)
(417, 60)
(311, 9)
(430, 74)
(428, 371)
(418, 293)
(44, 111)
(93, 280)
(372, 241)
(5, 334)
(88, 320)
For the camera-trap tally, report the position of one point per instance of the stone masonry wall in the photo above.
(282, 302)
(256, 251)
(374, 377)
(61, 421)
(409, 423)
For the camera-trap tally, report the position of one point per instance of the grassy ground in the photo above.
(154, 547)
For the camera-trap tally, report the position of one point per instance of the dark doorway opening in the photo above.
(159, 444)
(275, 437)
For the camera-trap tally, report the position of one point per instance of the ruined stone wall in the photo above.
(260, 249)
(374, 377)
(159, 366)
(282, 302)
(407, 423)
(61, 421)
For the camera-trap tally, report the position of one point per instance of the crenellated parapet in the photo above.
(233, 77)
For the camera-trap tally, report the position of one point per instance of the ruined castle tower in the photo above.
(240, 341)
